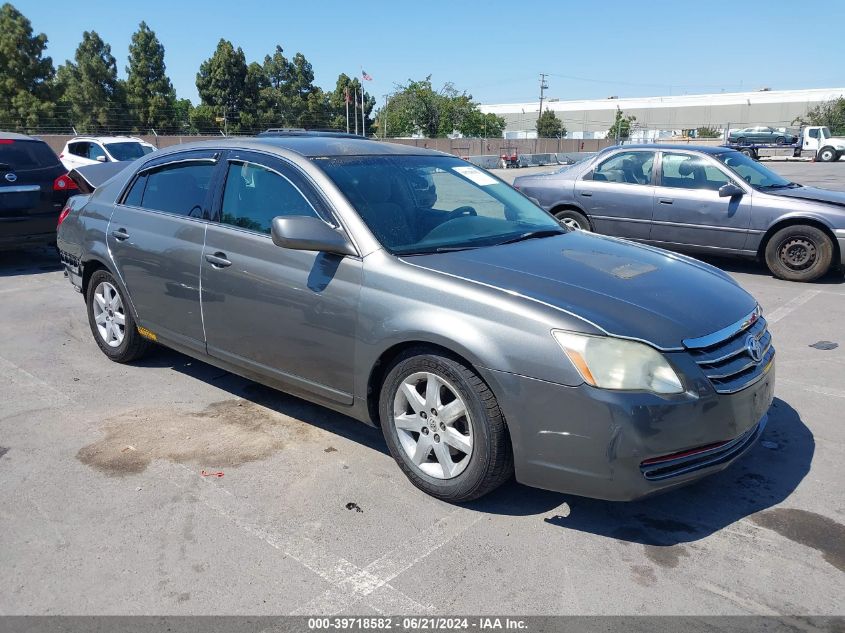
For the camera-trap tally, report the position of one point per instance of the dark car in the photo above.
(417, 293)
(34, 187)
(761, 134)
(703, 200)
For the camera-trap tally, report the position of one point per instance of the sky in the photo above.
(494, 50)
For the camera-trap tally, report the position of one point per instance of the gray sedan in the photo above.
(419, 294)
(699, 200)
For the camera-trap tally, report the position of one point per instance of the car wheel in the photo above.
(740, 140)
(573, 220)
(444, 427)
(780, 140)
(827, 154)
(111, 320)
(748, 151)
(799, 253)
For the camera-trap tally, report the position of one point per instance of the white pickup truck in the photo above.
(818, 139)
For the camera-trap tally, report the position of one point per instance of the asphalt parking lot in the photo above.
(111, 502)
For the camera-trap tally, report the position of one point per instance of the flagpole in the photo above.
(355, 92)
(363, 116)
(346, 99)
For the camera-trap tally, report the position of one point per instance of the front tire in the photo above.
(111, 320)
(799, 253)
(780, 140)
(827, 155)
(444, 427)
(573, 219)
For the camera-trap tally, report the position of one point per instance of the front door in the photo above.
(287, 314)
(688, 210)
(618, 194)
(156, 236)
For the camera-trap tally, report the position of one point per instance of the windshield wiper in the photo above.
(530, 235)
(789, 185)
(432, 251)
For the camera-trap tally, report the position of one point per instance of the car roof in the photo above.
(14, 136)
(705, 149)
(311, 146)
(101, 139)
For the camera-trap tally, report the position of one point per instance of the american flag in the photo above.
(365, 76)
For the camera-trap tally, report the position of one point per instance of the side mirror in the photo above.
(730, 190)
(303, 233)
(102, 159)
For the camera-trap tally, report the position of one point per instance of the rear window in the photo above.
(27, 155)
(128, 150)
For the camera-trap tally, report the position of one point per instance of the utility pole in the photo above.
(543, 87)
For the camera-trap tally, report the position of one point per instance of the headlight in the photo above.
(614, 363)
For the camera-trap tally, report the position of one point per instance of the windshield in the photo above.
(128, 151)
(825, 132)
(430, 204)
(753, 172)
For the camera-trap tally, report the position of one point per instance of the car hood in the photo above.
(623, 288)
(811, 193)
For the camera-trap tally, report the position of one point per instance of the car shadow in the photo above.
(30, 261)
(268, 397)
(752, 267)
(762, 478)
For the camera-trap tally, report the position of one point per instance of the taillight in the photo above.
(63, 215)
(6, 141)
(63, 183)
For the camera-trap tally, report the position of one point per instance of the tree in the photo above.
(91, 92)
(549, 126)
(221, 82)
(25, 73)
(477, 124)
(182, 109)
(830, 113)
(707, 132)
(417, 108)
(621, 128)
(149, 93)
(348, 87)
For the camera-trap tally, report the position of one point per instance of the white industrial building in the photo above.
(661, 117)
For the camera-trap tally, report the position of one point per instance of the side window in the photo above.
(78, 149)
(814, 133)
(683, 171)
(179, 188)
(256, 194)
(633, 168)
(95, 151)
(136, 193)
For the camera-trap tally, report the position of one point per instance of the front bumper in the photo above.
(840, 238)
(625, 445)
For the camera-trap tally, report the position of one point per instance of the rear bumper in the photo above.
(840, 238)
(623, 446)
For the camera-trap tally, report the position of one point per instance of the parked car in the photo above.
(85, 150)
(761, 134)
(699, 200)
(33, 189)
(413, 291)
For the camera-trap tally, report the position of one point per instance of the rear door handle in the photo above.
(586, 194)
(120, 234)
(665, 201)
(218, 260)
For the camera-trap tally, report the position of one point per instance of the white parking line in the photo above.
(349, 582)
(823, 391)
(790, 306)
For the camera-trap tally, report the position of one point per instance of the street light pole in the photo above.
(543, 86)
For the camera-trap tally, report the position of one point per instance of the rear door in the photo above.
(618, 194)
(29, 207)
(287, 314)
(156, 237)
(688, 211)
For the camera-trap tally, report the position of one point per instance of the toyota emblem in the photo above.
(11, 177)
(755, 349)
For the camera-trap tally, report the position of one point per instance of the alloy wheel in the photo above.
(433, 425)
(109, 314)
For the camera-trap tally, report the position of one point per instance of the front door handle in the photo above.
(665, 201)
(120, 234)
(586, 194)
(218, 260)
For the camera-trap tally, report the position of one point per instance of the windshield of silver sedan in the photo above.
(754, 173)
(417, 205)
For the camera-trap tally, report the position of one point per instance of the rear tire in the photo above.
(799, 253)
(573, 219)
(455, 452)
(780, 140)
(740, 140)
(111, 320)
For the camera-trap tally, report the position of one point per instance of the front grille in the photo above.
(676, 464)
(725, 357)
